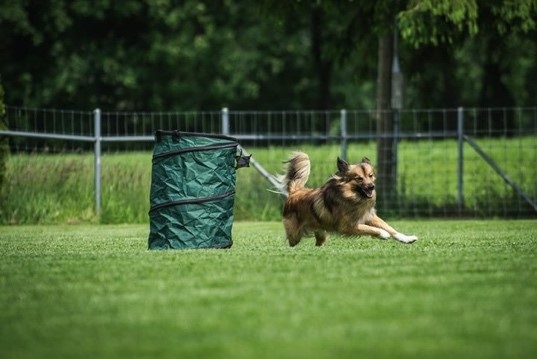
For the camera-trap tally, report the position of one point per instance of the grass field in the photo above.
(466, 289)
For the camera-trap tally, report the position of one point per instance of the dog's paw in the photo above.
(404, 238)
(383, 234)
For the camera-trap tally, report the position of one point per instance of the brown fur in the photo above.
(344, 204)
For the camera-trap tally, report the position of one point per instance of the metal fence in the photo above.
(446, 162)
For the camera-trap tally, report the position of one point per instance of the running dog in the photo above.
(344, 204)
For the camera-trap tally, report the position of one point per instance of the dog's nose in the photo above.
(371, 186)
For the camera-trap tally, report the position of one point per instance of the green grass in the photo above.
(466, 289)
(55, 189)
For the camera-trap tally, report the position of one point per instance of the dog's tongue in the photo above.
(367, 192)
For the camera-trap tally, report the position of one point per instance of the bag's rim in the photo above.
(180, 151)
(177, 133)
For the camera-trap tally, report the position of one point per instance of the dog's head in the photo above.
(358, 178)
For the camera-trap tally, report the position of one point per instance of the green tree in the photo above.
(479, 53)
(203, 55)
(165, 55)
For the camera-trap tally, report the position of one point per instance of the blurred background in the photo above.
(440, 94)
(164, 55)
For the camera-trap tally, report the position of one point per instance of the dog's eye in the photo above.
(371, 175)
(358, 179)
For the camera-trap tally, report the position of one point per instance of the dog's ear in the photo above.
(366, 160)
(342, 166)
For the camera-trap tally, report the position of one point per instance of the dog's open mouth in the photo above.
(367, 191)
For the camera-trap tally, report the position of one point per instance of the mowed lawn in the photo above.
(466, 289)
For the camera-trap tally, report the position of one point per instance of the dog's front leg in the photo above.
(364, 229)
(376, 221)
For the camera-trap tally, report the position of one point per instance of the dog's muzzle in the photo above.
(367, 190)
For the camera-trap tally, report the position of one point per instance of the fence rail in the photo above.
(428, 142)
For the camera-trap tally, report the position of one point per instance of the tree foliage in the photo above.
(204, 55)
(4, 149)
(436, 22)
(474, 53)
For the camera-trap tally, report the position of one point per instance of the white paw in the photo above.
(404, 238)
(383, 234)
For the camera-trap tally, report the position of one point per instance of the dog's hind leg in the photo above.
(320, 238)
(293, 230)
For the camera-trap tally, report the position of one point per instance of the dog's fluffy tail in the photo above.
(297, 171)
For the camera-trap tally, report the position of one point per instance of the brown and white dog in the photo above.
(344, 204)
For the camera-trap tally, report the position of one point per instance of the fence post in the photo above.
(97, 154)
(343, 126)
(460, 159)
(225, 121)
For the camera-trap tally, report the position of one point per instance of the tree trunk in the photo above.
(322, 67)
(385, 167)
(4, 147)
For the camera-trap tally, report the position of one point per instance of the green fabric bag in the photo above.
(193, 190)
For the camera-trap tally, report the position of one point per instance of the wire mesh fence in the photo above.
(448, 162)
